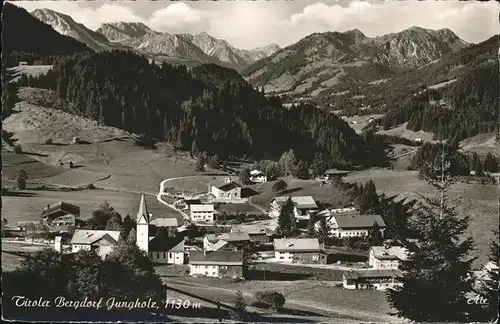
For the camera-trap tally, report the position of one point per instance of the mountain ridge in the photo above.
(321, 61)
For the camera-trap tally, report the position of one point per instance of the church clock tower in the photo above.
(143, 226)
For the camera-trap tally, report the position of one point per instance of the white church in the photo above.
(160, 249)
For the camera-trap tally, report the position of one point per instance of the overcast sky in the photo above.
(247, 24)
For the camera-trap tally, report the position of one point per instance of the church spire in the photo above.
(143, 215)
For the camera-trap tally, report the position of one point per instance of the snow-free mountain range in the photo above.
(318, 65)
(200, 48)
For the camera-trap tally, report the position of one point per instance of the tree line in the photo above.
(428, 160)
(209, 107)
(470, 107)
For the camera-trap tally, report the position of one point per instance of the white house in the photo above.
(103, 242)
(229, 191)
(169, 250)
(257, 176)
(217, 264)
(371, 279)
(202, 212)
(303, 206)
(299, 250)
(352, 224)
(386, 257)
(159, 249)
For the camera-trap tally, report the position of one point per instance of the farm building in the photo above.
(304, 206)
(229, 191)
(257, 233)
(386, 256)
(258, 176)
(202, 212)
(220, 264)
(226, 242)
(299, 250)
(352, 224)
(169, 250)
(371, 279)
(60, 214)
(335, 174)
(103, 242)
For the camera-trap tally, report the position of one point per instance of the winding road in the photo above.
(162, 193)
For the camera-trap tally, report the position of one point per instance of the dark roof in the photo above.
(192, 201)
(335, 171)
(358, 221)
(372, 274)
(59, 209)
(229, 186)
(166, 244)
(216, 257)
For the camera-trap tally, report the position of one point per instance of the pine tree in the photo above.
(438, 266)
(369, 200)
(375, 235)
(490, 285)
(194, 149)
(323, 231)
(239, 303)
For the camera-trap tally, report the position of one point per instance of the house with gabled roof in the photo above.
(304, 206)
(230, 190)
(387, 256)
(101, 241)
(371, 279)
(299, 250)
(256, 232)
(60, 214)
(226, 241)
(220, 264)
(258, 176)
(201, 212)
(353, 224)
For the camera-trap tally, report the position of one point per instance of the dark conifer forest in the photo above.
(465, 108)
(209, 105)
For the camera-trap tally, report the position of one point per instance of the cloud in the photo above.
(178, 18)
(249, 24)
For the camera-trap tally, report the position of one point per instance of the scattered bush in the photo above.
(48, 141)
(18, 149)
(71, 164)
(269, 299)
(90, 186)
(21, 179)
(280, 185)
(145, 140)
(76, 140)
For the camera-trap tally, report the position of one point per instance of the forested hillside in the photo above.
(468, 107)
(25, 37)
(391, 92)
(209, 107)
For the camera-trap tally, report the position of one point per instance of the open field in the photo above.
(480, 202)
(359, 122)
(482, 144)
(13, 163)
(402, 131)
(29, 203)
(312, 296)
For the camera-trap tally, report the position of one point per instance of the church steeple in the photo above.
(142, 238)
(142, 214)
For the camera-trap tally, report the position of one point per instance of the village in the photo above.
(206, 244)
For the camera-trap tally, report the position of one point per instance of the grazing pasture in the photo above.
(480, 202)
